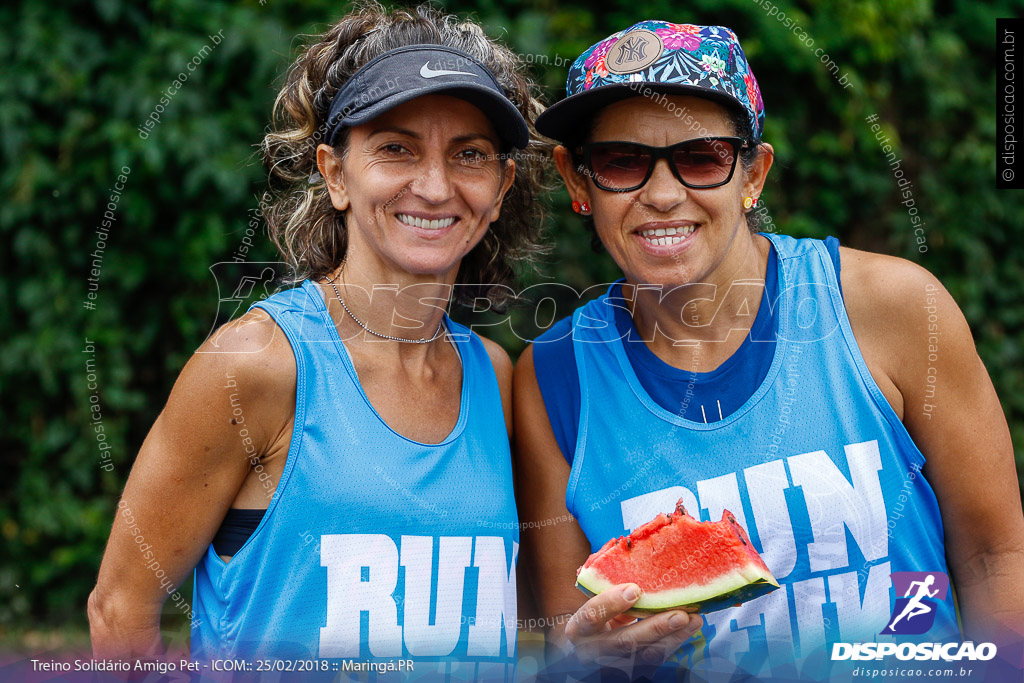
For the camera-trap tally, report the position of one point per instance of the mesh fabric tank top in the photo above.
(815, 465)
(375, 548)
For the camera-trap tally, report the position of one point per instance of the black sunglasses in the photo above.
(699, 164)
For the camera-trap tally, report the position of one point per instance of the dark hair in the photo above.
(741, 122)
(738, 121)
(308, 231)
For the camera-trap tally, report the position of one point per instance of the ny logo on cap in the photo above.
(634, 51)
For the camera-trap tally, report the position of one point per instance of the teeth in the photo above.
(666, 236)
(425, 224)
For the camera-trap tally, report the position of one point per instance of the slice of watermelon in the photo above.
(680, 563)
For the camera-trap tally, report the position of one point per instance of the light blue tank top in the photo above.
(375, 548)
(815, 465)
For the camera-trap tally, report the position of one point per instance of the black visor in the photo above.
(405, 73)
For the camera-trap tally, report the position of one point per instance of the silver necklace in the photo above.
(421, 340)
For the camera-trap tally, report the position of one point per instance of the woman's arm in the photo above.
(553, 551)
(913, 334)
(541, 483)
(188, 471)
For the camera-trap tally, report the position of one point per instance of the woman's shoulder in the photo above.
(552, 359)
(896, 299)
(499, 359)
(244, 371)
(895, 306)
(252, 349)
(884, 284)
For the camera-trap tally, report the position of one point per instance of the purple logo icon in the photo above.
(917, 597)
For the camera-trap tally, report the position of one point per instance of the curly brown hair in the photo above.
(309, 232)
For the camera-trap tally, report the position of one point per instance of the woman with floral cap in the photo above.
(792, 382)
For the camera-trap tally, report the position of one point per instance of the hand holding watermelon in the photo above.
(680, 563)
(664, 570)
(602, 628)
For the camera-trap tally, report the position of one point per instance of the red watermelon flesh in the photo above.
(681, 563)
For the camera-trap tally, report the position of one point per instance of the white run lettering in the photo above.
(439, 639)
(720, 494)
(348, 557)
(345, 555)
(835, 504)
(641, 509)
(860, 619)
(495, 598)
(734, 626)
(809, 597)
(766, 485)
(727, 644)
(778, 633)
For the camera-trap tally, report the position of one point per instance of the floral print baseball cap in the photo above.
(654, 57)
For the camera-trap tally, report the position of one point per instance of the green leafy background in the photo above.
(82, 76)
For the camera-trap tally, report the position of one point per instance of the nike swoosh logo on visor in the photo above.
(427, 72)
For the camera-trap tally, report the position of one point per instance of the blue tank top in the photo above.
(712, 395)
(815, 465)
(375, 548)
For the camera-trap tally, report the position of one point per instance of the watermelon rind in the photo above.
(654, 603)
(727, 591)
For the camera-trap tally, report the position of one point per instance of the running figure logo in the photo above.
(914, 613)
(239, 285)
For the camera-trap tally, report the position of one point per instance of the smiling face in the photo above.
(664, 232)
(419, 185)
